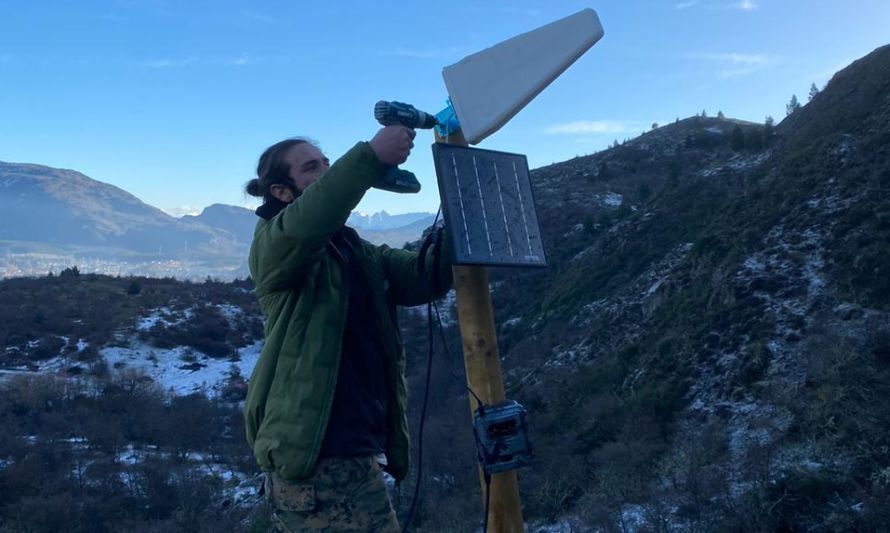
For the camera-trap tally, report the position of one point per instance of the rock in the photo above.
(847, 311)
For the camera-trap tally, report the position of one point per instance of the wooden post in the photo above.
(482, 361)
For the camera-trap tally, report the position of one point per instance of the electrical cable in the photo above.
(451, 371)
(426, 397)
(426, 393)
(429, 371)
(487, 500)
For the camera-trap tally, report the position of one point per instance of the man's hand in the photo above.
(392, 144)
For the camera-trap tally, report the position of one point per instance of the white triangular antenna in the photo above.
(489, 87)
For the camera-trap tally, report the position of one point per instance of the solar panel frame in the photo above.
(489, 207)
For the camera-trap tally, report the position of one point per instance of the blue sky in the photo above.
(174, 101)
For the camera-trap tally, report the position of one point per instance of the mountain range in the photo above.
(53, 218)
(55, 207)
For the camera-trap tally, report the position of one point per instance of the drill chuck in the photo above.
(400, 113)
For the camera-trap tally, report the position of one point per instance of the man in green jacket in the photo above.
(327, 399)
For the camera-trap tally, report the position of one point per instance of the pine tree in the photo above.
(737, 139)
(792, 106)
(720, 115)
(768, 126)
(813, 92)
(754, 140)
(704, 114)
(655, 125)
(644, 191)
(673, 173)
(134, 288)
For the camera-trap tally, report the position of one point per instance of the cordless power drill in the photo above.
(398, 113)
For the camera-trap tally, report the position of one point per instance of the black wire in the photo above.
(426, 395)
(462, 382)
(487, 501)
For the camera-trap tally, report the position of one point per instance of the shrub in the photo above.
(70, 272)
(48, 346)
(134, 288)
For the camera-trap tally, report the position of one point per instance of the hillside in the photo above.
(711, 351)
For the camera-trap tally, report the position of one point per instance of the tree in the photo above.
(134, 288)
(737, 139)
(603, 172)
(704, 114)
(70, 272)
(720, 115)
(673, 173)
(644, 191)
(754, 140)
(655, 125)
(792, 106)
(768, 126)
(813, 92)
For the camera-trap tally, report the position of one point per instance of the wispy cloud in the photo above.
(239, 61)
(744, 5)
(169, 63)
(506, 10)
(430, 53)
(258, 16)
(735, 58)
(600, 127)
(182, 210)
(731, 65)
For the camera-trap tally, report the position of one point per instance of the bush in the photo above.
(70, 272)
(47, 347)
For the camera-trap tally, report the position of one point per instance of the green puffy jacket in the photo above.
(302, 287)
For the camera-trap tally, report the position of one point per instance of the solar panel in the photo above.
(488, 206)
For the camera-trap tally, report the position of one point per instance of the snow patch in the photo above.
(564, 526)
(168, 369)
(737, 163)
(229, 311)
(613, 199)
(654, 287)
(162, 314)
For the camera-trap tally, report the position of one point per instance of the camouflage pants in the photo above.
(342, 494)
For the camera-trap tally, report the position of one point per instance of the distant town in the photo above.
(41, 264)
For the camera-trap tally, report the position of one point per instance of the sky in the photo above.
(174, 101)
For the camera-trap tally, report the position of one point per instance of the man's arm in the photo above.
(286, 248)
